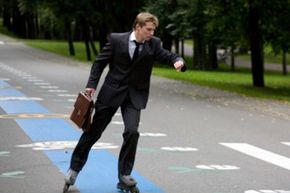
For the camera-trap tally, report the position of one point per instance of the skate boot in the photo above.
(69, 179)
(127, 184)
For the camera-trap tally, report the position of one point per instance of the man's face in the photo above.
(146, 32)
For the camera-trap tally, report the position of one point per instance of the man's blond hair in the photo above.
(144, 17)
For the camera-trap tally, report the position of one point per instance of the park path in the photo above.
(187, 132)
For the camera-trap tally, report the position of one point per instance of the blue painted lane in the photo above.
(100, 172)
(8, 92)
(48, 129)
(18, 106)
(3, 83)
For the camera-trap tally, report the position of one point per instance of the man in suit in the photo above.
(130, 56)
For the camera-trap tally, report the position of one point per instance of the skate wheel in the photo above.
(127, 189)
(65, 188)
(134, 189)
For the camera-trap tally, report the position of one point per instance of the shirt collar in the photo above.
(133, 37)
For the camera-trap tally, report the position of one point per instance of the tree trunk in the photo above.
(284, 63)
(196, 61)
(86, 38)
(167, 41)
(212, 50)
(176, 45)
(199, 57)
(182, 48)
(95, 51)
(31, 31)
(232, 59)
(256, 45)
(6, 18)
(68, 32)
(18, 23)
(103, 35)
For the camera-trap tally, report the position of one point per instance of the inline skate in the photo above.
(127, 184)
(69, 179)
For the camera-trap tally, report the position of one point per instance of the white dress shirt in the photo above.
(132, 45)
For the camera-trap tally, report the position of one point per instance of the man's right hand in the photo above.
(90, 91)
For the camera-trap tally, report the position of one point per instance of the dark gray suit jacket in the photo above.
(124, 75)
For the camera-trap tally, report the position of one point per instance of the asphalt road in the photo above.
(193, 139)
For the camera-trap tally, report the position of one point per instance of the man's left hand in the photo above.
(178, 65)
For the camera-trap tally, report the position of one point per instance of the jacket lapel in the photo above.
(125, 43)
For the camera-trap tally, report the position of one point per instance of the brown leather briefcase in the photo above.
(82, 112)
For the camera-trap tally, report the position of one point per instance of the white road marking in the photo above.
(217, 167)
(41, 83)
(117, 122)
(261, 154)
(4, 153)
(183, 149)
(14, 174)
(34, 80)
(67, 95)
(49, 87)
(121, 123)
(57, 91)
(153, 135)
(20, 98)
(2, 43)
(286, 143)
(118, 114)
(5, 79)
(267, 191)
(58, 145)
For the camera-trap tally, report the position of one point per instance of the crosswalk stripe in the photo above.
(286, 143)
(261, 154)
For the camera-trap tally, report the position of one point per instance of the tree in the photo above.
(277, 30)
(67, 17)
(163, 9)
(28, 8)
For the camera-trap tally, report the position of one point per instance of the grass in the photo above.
(277, 86)
(61, 48)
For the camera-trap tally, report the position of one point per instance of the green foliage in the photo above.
(28, 6)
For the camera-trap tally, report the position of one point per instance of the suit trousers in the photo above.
(102, 117)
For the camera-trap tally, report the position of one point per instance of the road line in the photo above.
(20, 98)
(261, 154)
(286, 143)
(57, 91)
